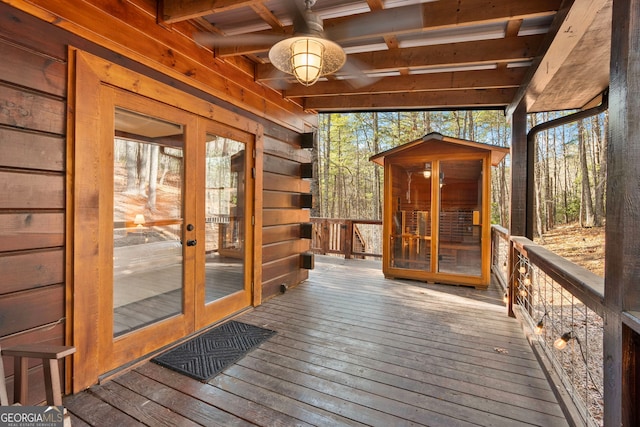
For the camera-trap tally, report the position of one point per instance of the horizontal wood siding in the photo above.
(282, 213)
(31, 230)
(32, 192)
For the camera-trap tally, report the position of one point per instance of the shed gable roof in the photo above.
(497, 153)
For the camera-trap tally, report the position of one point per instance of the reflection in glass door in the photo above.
(148, 172)
(460, 221)
(224, 217)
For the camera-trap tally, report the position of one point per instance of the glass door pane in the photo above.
(411, 219)
(148, 173)
(224, 217)
(459, 233)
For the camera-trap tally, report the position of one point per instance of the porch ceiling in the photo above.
(554, 54)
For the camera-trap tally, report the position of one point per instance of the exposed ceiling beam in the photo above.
(267, 15)
(456, 14)
(438, 15)
(481, 98)
(375, 4)
(451, 54)
(484, 79)
(181, 10)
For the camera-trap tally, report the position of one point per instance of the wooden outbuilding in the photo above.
(437, 209)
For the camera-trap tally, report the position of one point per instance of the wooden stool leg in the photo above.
(52, 382)
(20, 380)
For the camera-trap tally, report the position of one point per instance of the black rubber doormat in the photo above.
(206, 355)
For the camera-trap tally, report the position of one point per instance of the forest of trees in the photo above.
(570, 162)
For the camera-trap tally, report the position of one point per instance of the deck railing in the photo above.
(351, 238)
(561, 308)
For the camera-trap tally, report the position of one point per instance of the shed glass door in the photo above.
(411, 216)
(460, 217)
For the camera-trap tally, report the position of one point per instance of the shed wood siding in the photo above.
(33, 186)
(32, 194)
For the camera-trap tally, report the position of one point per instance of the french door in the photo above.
(161, 225)
(179, 190)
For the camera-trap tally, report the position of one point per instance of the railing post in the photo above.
(325, 236)
(348, 240)
(511, 278)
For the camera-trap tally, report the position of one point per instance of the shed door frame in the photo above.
(481, 281)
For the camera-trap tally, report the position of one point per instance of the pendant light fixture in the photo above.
(308, 55)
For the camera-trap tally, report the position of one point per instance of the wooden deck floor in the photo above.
(352, 348)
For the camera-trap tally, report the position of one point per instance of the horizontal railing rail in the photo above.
(350, 238)
(561, 307)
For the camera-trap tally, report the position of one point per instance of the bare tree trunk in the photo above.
(377, 176)
(143, 168)
(132, 167)
(339, 190)
(427, 122)
(565, 167)
(538, 191)
(315, 182)
(548, 180)
(600, 161)
(587, 203)
(324, 209)
(153, 177)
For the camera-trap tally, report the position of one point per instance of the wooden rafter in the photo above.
(437, 56)
(181, 10)
(483, 79)
(477, 98)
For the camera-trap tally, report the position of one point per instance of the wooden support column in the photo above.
(519, 184)
(622, 258)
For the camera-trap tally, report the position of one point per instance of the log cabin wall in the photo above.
(32, 190)
(283, 191)
(33, 185)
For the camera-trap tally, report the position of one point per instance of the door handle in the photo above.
(192, 242)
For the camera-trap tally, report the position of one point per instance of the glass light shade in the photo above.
(322, 57)
(539, 328)
(306, 60)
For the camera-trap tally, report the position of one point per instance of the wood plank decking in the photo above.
(352, 348)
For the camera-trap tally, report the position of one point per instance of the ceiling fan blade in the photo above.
(251, 39)
(404, 19)
(355, 75)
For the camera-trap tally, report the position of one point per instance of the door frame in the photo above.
(88, 223)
